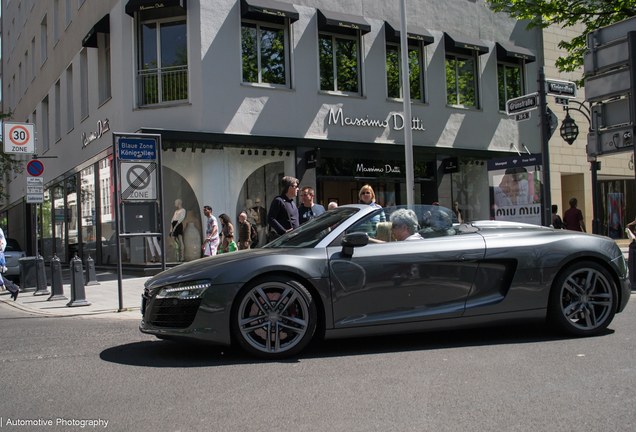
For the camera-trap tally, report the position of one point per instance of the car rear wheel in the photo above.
(583, 299)
(274, 318)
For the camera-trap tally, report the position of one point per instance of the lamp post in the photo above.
(569, 132)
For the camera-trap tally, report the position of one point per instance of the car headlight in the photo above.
(184, 291)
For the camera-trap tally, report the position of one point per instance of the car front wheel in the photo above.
(275, 318)
(583, 299)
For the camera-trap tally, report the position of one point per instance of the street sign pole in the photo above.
(546, 198)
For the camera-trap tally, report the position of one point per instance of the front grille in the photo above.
(174, 313)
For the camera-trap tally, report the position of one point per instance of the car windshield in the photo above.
(426, 220)
(12, 246)
(309, 235)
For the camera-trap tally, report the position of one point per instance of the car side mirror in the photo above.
(353, 240)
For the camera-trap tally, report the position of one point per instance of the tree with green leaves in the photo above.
(593, 14)
(7, 163)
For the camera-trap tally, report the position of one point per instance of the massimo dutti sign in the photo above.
(395, 121)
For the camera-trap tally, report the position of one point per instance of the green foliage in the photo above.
(593, 14)
(346, 58)
(460, 81)
(8, 163)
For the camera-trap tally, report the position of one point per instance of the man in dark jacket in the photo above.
(283, 213)
(244, 232)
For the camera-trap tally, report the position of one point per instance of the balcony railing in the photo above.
(157, 86)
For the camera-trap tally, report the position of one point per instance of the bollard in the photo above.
(91, 277)
(40, 276)
(78, 295)
(57, 287)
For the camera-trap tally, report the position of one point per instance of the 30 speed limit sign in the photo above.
(19, 138)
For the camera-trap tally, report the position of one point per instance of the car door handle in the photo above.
(471, 256)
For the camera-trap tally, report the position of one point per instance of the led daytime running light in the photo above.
(187, 292)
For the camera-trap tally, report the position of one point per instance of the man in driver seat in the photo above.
(404, 225)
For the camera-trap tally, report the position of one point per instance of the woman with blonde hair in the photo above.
(367, 196)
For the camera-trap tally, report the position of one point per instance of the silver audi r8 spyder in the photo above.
(347, 273)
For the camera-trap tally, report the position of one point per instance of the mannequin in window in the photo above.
(176, 229)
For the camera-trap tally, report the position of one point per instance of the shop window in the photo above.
(59, 223)
(339, 40)
(47, 226)
(162, 75)
(108, 239)
(72, 216)
(88, 216)
(265, 49)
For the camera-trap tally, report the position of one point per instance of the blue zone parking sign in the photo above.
(137, 149)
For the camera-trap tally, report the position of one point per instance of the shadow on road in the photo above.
(167, 354)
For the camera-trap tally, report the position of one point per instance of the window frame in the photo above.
(358, 39)
(420, 47)
(522, 76)
(475, 58)
(139, 46)
(286, 27)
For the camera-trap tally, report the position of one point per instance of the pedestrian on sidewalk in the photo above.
(244, 232)
(12, 288)
(211, 243)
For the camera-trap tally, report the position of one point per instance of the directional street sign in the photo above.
(138, 181)
(564, 89)
(521, 104)
(19, 138)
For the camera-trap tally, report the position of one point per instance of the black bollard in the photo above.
(57, 287)
(78, 295)
(40, 276)
(91, 277)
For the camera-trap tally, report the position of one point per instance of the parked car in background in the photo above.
(12, 253)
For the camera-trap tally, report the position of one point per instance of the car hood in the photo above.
(241, 266)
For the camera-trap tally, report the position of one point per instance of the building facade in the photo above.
(570, 175)
(244, 92)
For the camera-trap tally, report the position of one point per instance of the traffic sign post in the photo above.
(137, 179)
(19, 138)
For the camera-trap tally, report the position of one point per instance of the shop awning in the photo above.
(513, 53)
(140, 5)
(341, 22)
(464, 44)
(268, 10)
(102, 26)
(413, 33)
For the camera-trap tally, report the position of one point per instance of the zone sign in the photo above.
(19, 138)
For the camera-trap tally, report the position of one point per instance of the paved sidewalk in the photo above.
(104, 299)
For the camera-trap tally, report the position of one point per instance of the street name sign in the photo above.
(136, 149)
(565, 89)
(521, 104)
(562, 101)
(19, 138)
(523, 116)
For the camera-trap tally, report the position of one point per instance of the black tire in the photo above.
(278, 306)
(583, 299)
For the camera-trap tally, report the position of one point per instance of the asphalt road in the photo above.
(495, 379)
